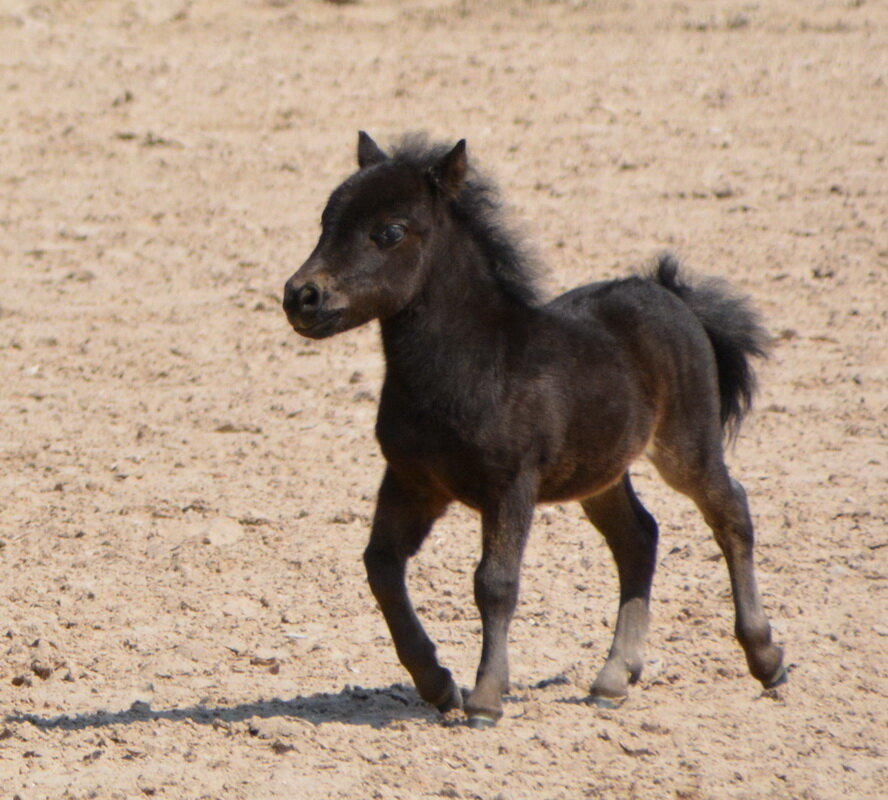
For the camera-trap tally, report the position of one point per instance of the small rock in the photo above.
(41, 669)
(194, 651)
(273, 664)
(22, 680)
(636, 752)
(222, 531)
(123, 99)
(241, 607)
(654, 727)
(292, 615)
(278, 728)
(81, 276)
(266, 656)
(236, 646)
(237, 427)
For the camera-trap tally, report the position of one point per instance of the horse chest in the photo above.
(454, 452)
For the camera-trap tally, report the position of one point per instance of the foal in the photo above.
(498, 401)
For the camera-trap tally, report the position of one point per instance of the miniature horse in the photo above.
(500, 402)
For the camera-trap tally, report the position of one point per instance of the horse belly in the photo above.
(598, 449)
(584, 480)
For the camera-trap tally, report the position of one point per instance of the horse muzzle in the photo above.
(308, 311)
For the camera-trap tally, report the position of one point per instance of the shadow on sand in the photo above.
(354, 705)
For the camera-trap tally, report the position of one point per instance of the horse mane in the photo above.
(479, 209)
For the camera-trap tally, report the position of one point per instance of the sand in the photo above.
(187, 485)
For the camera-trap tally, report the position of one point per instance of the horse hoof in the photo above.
(480, 722)
(609, 703)
(782, 677)
(454, 702)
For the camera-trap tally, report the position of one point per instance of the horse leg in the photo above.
(631, 533)
(504, 534)
(402, 521)
(722, 501)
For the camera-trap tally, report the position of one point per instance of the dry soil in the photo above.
(186, 485)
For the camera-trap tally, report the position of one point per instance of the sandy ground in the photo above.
(186, 485)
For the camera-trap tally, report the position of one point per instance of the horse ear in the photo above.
(368, 151)
(449, 174)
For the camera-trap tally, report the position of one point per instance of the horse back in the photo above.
(639, 314)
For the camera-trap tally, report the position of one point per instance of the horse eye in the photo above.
(389, 236)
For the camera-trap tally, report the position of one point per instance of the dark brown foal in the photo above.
(496, 400)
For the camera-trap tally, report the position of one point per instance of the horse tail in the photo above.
(735, 333)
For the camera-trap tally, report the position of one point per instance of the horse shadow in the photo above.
(354, 705)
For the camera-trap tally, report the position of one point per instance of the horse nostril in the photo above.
(308, 298)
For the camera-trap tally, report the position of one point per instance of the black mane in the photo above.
(479, 209)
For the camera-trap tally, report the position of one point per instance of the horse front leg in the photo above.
(402, 521)
(504, 534)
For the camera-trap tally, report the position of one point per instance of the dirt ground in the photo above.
(186, 485)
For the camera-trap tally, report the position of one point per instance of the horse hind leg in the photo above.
(631, 533)
(722, 502)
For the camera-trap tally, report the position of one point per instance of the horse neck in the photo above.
(457, 329)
